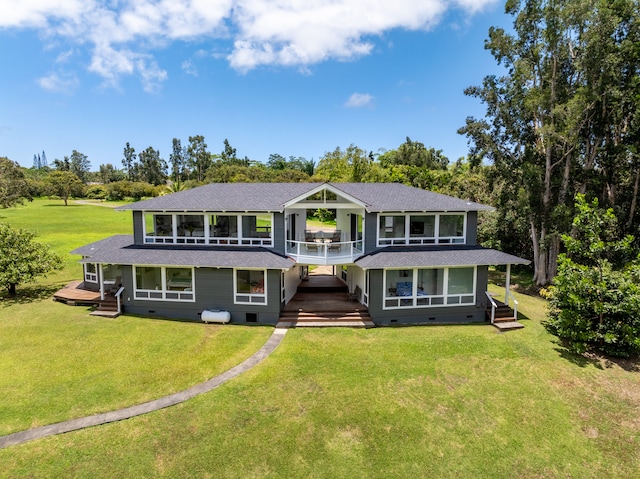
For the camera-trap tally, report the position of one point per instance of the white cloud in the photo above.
(59, 82)
(189, 68)
(359, 100)
(121, 34)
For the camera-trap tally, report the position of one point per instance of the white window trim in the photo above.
(365, 293)
(407, 240)
(139, 293)
(414, 297)
(90, 277)
(207, 239)
(251, 296)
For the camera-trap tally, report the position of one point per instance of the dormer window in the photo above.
(420, 229)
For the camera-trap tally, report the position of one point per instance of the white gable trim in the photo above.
(324, 187)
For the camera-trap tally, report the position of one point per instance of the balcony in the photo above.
(324, 251)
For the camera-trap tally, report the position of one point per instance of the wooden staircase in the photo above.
(108, 308)
(324, 319)
(504, 318)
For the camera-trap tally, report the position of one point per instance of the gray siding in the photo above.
(370, 232)
(214, 290)
(472, 228)
(138, 227)
(279, 233)
(445, 315)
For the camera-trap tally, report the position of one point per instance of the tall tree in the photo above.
(80, 165)
(178, 161)
(198, 157)
(129, 162)
(14, 188)
(536, 114)
(152, 168)
(109, 173)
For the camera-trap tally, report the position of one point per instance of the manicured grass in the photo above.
(433, 402)
(457, 401)
(58, 363)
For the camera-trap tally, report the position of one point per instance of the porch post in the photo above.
(507, 284)
(101, 280)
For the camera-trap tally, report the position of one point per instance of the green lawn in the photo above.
(433, 402)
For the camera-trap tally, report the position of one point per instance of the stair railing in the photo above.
(117, 295)
(493, 306)
(515, 303)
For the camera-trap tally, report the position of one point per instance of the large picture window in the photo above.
(164, 283)
(250, 286)
(413, 229)
(429, 287)
(216, 229)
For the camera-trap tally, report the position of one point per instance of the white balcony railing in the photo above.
(321, 252)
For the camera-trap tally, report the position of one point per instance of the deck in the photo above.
(323, 301)
(73, 294)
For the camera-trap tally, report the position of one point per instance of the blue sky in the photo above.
(292, 77)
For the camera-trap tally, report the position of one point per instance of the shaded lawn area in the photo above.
(438, 401)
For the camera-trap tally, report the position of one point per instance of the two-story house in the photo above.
(412, 255)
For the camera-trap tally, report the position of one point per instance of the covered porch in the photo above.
(324, 300)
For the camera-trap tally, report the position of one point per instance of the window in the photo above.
(461, 286)
(163, 283)
(158, 228)
(414, 229)
(190, 229)
(451, 229)
(392, 230)
(256, 229)
(422, 229)
(429, 287)
(223, 229)
(91, 272)
(250, 286)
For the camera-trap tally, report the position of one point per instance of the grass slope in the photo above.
(441, 402)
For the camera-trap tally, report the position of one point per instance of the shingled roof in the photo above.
(438, 256)
(120, 249)
(255, 197)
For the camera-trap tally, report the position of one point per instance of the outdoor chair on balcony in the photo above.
(336, 238)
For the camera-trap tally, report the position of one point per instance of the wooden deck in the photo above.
(73, 294)
(323, 301)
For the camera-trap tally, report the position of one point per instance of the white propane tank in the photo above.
(209, 316)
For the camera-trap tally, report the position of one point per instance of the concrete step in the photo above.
(104, 314)
(508, 325)
(325, 324)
